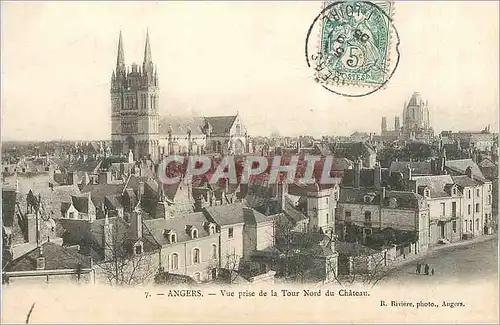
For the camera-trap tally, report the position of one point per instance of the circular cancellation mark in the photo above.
(356, 49)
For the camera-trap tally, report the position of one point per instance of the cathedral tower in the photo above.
(134, 106)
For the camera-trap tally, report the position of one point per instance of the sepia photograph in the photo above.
(250, 161)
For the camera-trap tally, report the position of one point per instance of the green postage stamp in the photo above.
(356, 47)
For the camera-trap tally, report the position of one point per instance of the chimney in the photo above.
(378, 176)
(104, 177)
(32, 228)
(108, 240)
(357, 174)
(136, 224)
(141, 190)
(408, 171)
(282, 191)
(468, 171)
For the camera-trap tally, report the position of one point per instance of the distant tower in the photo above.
(384, 124)
(416, 121)
(134, 106)
(397, 127)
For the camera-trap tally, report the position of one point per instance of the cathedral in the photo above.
(138, 129)
(416, 122)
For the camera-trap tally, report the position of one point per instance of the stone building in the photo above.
(416, 119)
(137, 127)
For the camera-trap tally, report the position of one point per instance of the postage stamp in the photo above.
(356, 46)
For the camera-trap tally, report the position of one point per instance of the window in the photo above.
(489, 187)
(443, 209)
(478, 192)
(173, 238)
(427, 193)
(477, 207)
(454, 191)
(477, 224)
(470, 225)
(469, 210)
(489, 199)
(326, 200)
(194, 233)
(138, 249)
(348, 215)
(230, 232)
(174, 261)
(71, 215)
(454, 226)
(469, 194)
(40, 263)
(327, 218)
(368, 216)
(196, 255)
(214, 252)
(453, 209)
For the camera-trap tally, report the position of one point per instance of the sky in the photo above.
(223, 58)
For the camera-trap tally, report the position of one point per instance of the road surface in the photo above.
(475, 261)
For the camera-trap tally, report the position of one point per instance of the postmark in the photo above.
(352, 46)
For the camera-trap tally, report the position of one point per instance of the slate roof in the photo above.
(100, 191)
(220, 124)
(460, 165)
(436, 184)
(81, 202)
(417, 167)
(404, 200)
(181, 125)
(464, 181)
(154, 228)
(252, 217)
(56, 258)
(224, 215)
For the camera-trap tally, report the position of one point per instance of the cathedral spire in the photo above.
(147, 51)
(120, 58)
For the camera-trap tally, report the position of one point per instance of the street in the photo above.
(477, 261)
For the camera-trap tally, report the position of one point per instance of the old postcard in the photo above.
(250, 162)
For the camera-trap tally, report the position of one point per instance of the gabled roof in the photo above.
(220, 124)
(253, 217)
(81, 202)
(464, 181)
(225, 215)
(181, 125)
(417, 167)
(460, 166)
(100, 191)
(436, 184)
(56, 258)
(154, 228)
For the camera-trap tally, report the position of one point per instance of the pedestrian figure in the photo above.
(426, 269)
(419, 266)
(432, 271)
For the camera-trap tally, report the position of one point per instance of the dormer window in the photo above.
(427, 192)
(40, 263)
(138, 249)
(194, 233)
(211, 229)
(368, 198)
(171, 235)
(454, 191)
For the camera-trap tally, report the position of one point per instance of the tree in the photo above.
(125, 261)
